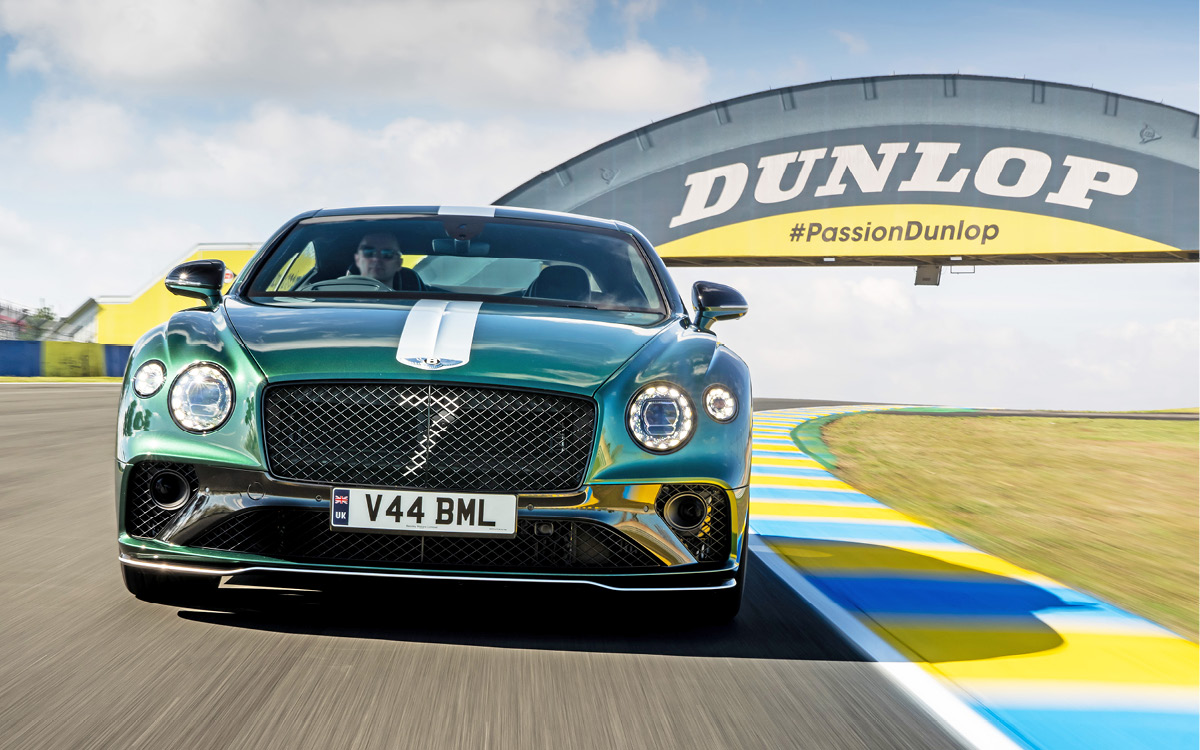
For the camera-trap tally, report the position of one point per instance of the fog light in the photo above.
(169, 489)
(685, 512)
(149, 378)
(720, 403)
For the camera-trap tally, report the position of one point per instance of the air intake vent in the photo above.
(305, 536)
(144, 517)
(711, 539)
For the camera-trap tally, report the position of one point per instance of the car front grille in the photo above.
(428, 436)
(305, 536)
(144, 517)
(712, 540)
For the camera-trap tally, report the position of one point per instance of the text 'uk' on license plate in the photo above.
(422, 512)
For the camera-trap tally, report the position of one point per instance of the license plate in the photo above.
(409, 512)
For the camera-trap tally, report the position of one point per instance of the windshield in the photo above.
(508, 260)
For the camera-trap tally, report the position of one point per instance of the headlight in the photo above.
(201, 398)
(149, 378)
(720, 403)
(661, 417)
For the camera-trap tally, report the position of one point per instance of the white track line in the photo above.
(945, 706)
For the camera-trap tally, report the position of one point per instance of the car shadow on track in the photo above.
(773, 624)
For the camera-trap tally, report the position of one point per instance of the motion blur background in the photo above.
(131, 131)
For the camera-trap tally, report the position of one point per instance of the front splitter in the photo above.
(702, 581)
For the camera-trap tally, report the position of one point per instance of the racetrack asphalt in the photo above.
(85, 665)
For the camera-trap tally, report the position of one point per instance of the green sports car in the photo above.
(452, 393)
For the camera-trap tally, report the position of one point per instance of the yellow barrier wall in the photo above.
(123, 321)
(71, 359)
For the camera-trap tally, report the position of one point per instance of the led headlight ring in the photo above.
(660, 418)
(202, 398)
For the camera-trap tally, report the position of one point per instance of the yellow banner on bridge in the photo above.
(905, 231)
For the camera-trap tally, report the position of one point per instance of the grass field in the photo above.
(1108, 506)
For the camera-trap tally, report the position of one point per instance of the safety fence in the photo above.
(62, 359)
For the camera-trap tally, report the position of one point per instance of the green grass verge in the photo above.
(6, 379)
(1108, 506)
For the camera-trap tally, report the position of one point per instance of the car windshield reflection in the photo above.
(504, 260)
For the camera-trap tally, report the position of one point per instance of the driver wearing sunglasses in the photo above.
(378, 256)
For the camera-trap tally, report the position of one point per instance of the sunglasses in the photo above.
(385, 253)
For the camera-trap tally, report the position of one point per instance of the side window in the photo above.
(290, 276)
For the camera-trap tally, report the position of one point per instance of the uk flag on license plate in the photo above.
(341, 507)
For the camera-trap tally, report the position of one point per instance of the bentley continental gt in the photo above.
(486, 394)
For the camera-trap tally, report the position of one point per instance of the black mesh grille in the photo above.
(424, 436)
(711, 541)
(305, 536)
(143, 516)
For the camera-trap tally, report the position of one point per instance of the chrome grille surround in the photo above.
(305, 536)
(428, 436)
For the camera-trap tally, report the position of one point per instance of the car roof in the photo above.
(502, 212)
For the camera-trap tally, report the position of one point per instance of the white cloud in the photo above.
(279, 156)
(80, 134)
(855, 44)
(467, 53)
(107, 230)
(636, 12)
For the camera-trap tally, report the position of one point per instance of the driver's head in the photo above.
(378, 256)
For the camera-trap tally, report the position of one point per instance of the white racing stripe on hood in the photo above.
(438, 334)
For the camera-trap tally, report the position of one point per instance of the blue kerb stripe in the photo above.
(869, 533)
(801, 495)
(1103, 729)
(1010, 602)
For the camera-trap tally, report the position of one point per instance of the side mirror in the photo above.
(202, 279)
(715, 302)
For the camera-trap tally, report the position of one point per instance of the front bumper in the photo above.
(181, 540)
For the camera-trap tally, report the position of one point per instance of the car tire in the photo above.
(168, 588)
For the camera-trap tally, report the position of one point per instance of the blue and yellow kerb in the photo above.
(1049, 666)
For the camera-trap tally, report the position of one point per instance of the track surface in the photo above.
(85, 665)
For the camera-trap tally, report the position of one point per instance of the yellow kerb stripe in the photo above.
(810, 510)
(823, 484)
(804, 463)
(1053, 655)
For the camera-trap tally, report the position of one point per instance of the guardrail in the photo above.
(62, 359)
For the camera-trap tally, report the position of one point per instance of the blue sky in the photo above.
(133, 129)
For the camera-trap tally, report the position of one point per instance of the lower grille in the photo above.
(305, 536)
(711, 541)
(144, 517)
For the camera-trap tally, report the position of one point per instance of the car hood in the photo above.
(555, 348)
